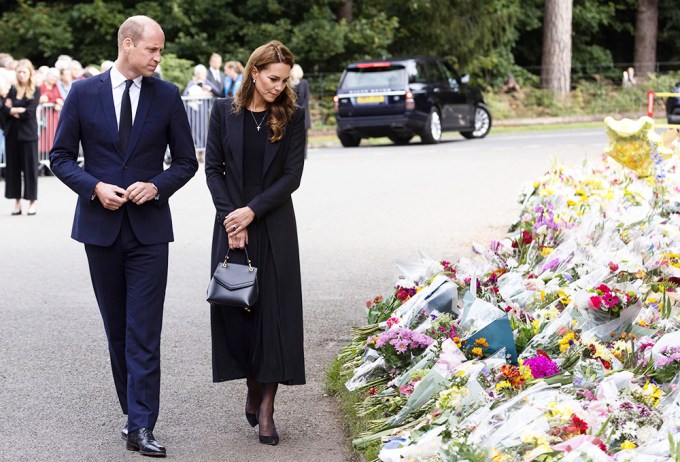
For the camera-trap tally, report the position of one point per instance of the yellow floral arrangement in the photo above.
(631, 143)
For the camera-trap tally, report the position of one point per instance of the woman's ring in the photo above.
(234, 227)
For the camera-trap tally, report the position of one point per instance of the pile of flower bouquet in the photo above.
(557, 342)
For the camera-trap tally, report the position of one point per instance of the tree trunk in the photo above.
(646, 27)
(345, 10)
(556, 61)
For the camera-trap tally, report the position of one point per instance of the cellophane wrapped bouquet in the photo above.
(559, 341)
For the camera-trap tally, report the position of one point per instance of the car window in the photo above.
(451, 76)
(436, 73)
(416, 72)
(374, 77)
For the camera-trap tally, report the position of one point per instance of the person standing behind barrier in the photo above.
(301, 88)
(4, 89)
(215, 76)
(49, 94)
(233, 76)
(21, 138)
(65, 81)
(200, 90)
(125, 119)
(254, 162)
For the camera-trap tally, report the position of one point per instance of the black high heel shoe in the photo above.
(251, 417)
(271, 440)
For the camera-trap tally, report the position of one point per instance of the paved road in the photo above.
(358, 210)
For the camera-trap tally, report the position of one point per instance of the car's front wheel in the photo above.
(400, 139)
(348, 140)
(482, 123)
(432, 132)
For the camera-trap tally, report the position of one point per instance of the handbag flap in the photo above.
(235, 276)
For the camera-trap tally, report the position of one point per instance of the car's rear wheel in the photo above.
(482, 123)
(432, 132)
(349, 140)
(400, 139)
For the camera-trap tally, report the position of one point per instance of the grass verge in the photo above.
(354, 424)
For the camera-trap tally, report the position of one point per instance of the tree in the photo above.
(345, 10)
(556, 59)
(646, 28)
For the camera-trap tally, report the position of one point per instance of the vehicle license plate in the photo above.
(370, 99)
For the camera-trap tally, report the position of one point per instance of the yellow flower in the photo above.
(536, 323)
(571, 202)
(477, 351)
(498, 456)
(481, 341)
(652, 393)
(546, 192)
(564, 297)
(542, 292)
(545, 251)
(580, 192)
(564, 341)
(504, 384)
(628, 445)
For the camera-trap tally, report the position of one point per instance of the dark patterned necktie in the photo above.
(125, 126)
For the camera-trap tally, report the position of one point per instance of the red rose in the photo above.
(527, 237)
(613, 267)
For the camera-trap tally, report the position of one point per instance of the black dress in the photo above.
(264, 344)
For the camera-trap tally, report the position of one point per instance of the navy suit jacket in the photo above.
(89, 118)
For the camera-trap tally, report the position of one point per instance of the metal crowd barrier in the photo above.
(197, 107)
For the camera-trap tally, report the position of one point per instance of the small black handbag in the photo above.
(233, 284)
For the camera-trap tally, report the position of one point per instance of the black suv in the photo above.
(673, 106)
(400, 98)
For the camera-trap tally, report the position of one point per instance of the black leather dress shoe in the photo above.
(142, 440)
(124, 432)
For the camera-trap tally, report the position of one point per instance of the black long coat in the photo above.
(282, 172)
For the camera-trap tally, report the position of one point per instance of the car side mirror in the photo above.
(465, 78)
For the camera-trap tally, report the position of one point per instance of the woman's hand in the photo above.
(239, 240)
(238, 220)
(17, 111)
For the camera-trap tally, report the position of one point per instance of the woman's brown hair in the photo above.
(30, 85)
(281, 110)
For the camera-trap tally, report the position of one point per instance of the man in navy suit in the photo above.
(125, 119)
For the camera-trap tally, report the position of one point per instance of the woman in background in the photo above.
(301, 88)
(21, 138)
(233, 76)
(254, 162)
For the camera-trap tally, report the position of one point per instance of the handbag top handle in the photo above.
(226, 259)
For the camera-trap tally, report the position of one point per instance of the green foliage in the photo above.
(36, 32)
(176, 70)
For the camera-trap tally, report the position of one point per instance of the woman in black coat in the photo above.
(21, 137)
(254, 162)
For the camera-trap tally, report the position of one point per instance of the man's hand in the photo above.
(111, 196)
(140, 192)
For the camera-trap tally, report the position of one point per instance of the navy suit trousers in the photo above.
(129, 281)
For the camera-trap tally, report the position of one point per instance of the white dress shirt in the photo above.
(216, 74)
(118, 87)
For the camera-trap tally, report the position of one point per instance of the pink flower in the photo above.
(610, 300)
(613, 267)
(401, 346)
(603, 288)
(541, 366)
(596, 302)
(392, 321)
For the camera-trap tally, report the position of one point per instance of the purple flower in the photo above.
(551, 265)
(401, 346)
(541, 366)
